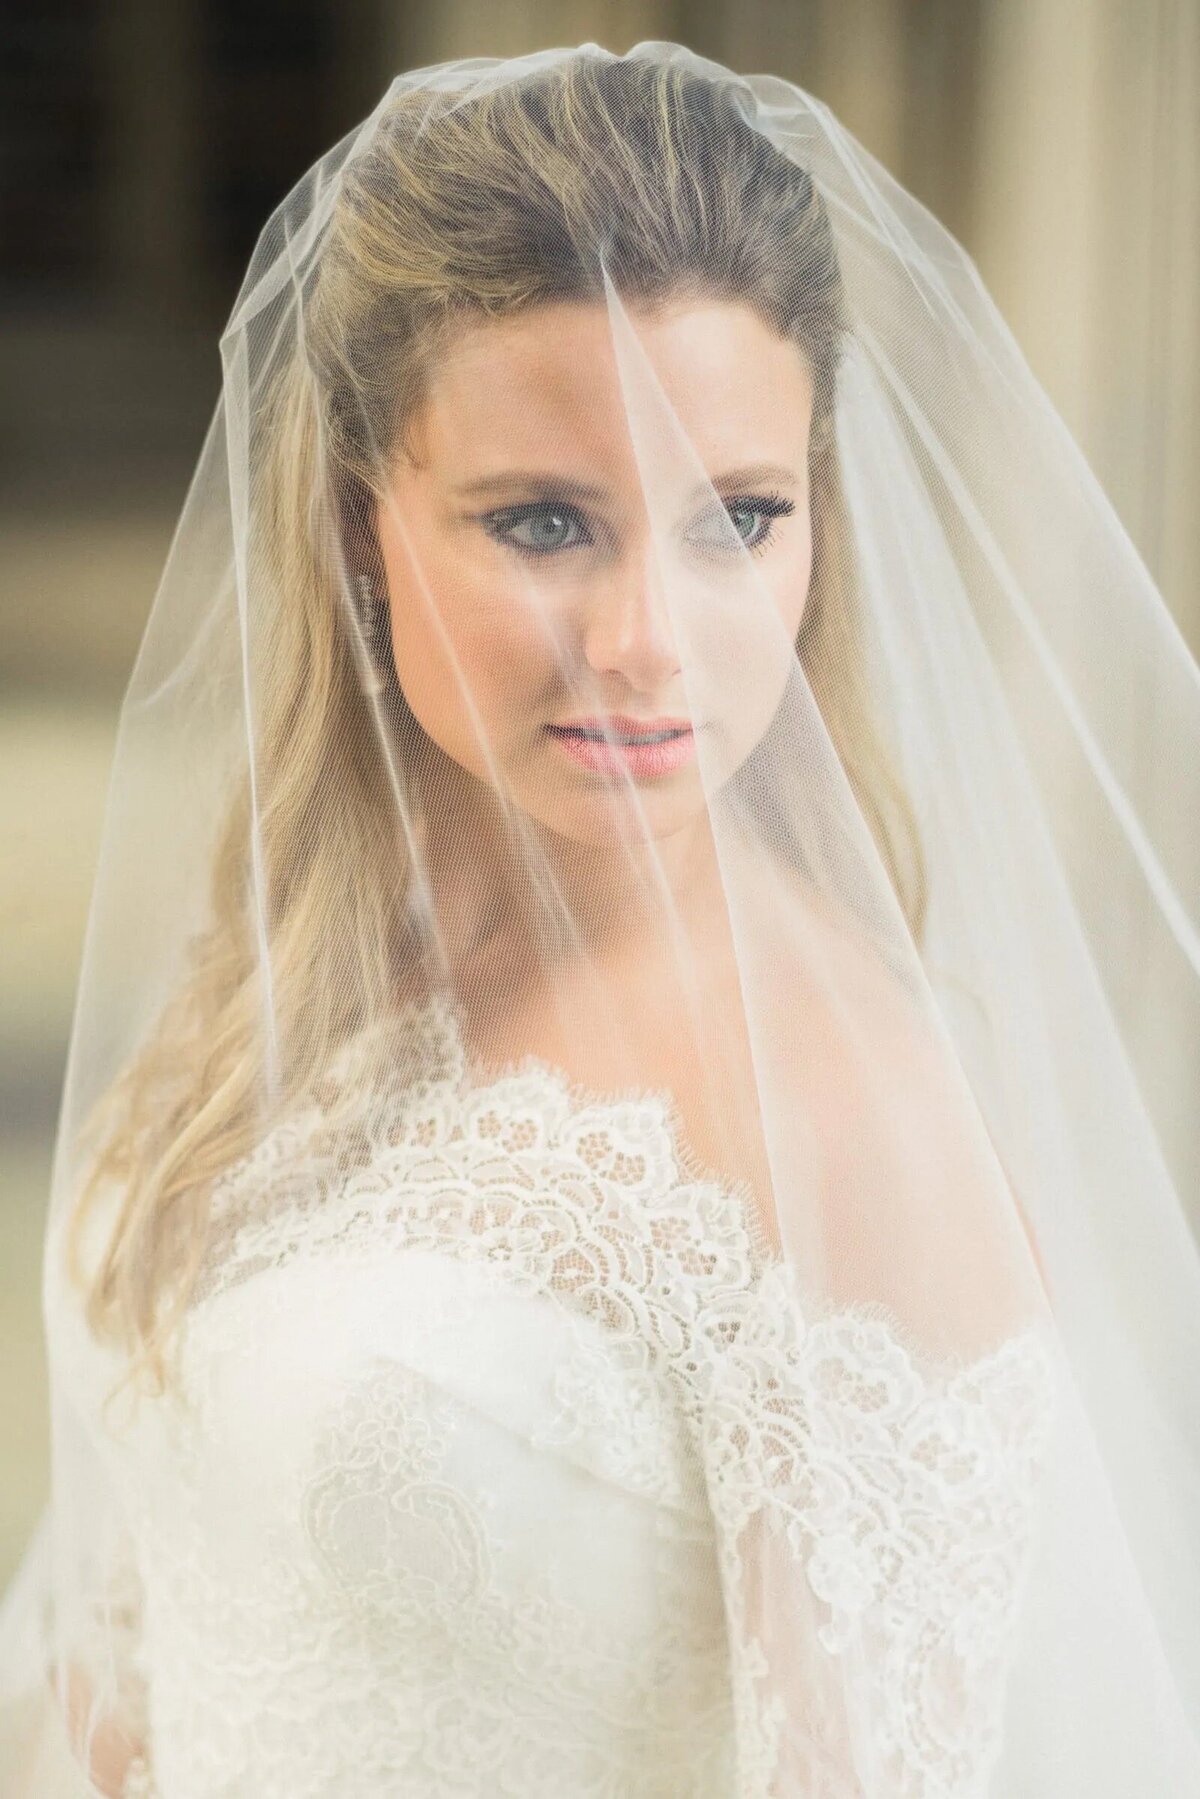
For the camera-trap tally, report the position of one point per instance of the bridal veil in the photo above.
(577, 399)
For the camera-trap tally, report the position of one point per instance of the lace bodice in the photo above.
(498, 1427)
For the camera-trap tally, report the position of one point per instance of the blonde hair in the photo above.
(449, 213)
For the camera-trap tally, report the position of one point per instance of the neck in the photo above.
(539, 888)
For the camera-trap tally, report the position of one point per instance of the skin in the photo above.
(576, 610)
(495, 635)
(492, 642)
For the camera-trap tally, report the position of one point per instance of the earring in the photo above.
(373, 613)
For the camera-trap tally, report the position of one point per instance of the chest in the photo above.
(647, 1039)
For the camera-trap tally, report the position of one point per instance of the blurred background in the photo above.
(144, 142)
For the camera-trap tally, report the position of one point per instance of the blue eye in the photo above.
(546, 526)
(539, 528)
(752, 517)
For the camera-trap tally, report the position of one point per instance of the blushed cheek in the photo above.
(513, 667)
(474, 676)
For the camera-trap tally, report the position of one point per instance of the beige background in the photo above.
(1059, 139)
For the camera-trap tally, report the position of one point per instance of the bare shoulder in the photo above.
(858, 999)
(917, 1195)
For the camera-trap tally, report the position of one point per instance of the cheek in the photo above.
(757, 670)
(471, 656)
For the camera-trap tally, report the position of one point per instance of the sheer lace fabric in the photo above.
(445, 1339)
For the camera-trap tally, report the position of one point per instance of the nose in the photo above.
(627, 628)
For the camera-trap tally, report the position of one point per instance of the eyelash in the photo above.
(770, 506)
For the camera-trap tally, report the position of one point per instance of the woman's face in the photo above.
(586, 527)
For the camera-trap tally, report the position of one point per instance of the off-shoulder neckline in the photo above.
(472, 1074)
(467, 1074)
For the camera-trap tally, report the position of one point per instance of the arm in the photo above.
(115, 1758)
(88, 1711)
(106, 1724)
(873, 1519)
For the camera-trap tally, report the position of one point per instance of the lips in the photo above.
(624, 728)
(617, 736)
(647, 754)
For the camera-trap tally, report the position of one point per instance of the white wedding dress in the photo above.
(474, 1477)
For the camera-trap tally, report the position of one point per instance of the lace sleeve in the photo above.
(72, 1694)
(109, 1680)
(91, 1582)
(874, 1522)
(139, 1782)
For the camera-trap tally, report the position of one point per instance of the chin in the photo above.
(608, 820)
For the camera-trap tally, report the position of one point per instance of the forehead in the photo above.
(560, 382)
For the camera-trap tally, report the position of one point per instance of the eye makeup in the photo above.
(569, 528)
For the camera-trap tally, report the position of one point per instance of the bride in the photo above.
(608, 1233)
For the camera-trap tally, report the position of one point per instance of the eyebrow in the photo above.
(552, 486)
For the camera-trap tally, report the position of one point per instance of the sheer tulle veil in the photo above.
(630, 389)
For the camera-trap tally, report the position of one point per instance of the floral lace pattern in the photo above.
(907, 1497)
(532, 1513)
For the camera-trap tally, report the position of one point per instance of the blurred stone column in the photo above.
(1087, 232)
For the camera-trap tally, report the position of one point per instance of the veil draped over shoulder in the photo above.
(620, 1217)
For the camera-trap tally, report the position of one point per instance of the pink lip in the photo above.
(622, 724)
(630, 758)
